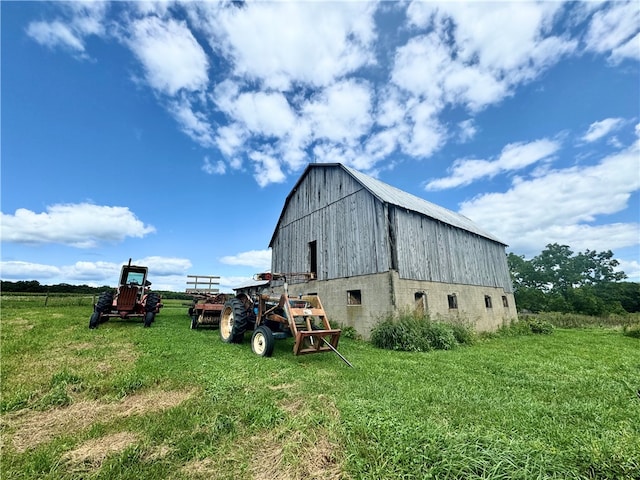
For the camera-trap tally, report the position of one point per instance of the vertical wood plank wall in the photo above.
(345, 220)
(431, 250)
(354, 231)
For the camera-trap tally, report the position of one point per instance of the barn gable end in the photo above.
(376, 249)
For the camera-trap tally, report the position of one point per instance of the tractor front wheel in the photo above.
(103, 305)
(94, 320)
(105, 302)
(262, 341)
(151, 305)
(233, 321)
(149, 317)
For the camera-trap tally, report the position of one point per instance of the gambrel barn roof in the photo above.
(394, 196)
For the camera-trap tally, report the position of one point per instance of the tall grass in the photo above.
(575, 320)
(125, 402)
(412, 333)
(48, 300)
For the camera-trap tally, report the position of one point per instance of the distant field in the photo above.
(124, 402)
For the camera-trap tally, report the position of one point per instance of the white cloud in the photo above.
(228, 283)
(87, 17)
(79, 20)
(480, 34)
(165, 273)
(600, 129)
(615, 29)
(54, 34)
(26, 270)
(631, 268)
(562, 206)
(218, 168)
(267, 168)
(194, 124)
(164, 266)
(273, 42)
(81, 225)
(171, 56)
(96, 272)
(630, 50)
(390, 108)
(467, 130)
(513, 157)
(259, 259)
(264, 113)
(229, 139)
(425, 57)
(340, 113)
(380, 145)
(282, 82)
(423, 134)
(465, 61)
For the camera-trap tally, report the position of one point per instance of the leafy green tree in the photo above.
(626, 295)
(559, 280)
(556, 270)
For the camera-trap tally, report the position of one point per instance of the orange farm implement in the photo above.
(271, 316)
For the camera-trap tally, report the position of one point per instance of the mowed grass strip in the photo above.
(124, 402)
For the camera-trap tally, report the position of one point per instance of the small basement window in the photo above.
(505, 301)
(487, 301)
(453, 301)
(354, 297)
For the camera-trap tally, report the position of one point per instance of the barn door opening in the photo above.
(313, 258)
(420, 303)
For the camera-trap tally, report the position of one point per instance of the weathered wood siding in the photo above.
(434, 251)
(345, 220)
(357, 234)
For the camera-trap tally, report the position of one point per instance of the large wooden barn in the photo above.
(375, 249)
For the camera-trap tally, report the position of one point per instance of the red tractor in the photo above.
(132, 299)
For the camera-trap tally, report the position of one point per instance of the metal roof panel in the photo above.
(394, 196)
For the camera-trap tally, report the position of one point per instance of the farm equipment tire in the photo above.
(153, 299)
(94, 320)
(233, 321)
(262, 341)
(103, 305)
(149, 317)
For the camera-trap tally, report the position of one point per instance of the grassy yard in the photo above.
(124, 402)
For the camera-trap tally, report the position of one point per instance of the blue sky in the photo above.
(171, 133)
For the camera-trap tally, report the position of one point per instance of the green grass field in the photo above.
(124, 402)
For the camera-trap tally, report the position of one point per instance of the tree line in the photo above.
(559, 280)
(33, 286)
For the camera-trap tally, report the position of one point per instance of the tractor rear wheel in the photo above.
(233, 321)
(262, 341)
